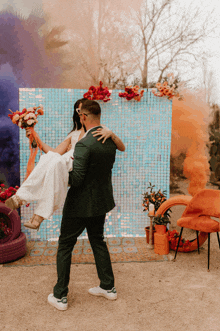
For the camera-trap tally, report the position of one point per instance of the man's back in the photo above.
(91, 193)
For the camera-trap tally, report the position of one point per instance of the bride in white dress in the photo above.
(48, 182)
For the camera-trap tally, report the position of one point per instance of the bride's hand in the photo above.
(103, 132)
(28, 132)
(69, 148)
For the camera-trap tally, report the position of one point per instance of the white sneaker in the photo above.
(60, 304)
(108, 294)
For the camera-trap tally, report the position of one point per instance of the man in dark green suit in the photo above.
(88, 200)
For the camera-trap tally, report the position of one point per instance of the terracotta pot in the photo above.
(161, 229)
(161, 244)
(147, 229)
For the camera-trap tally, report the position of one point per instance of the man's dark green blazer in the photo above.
(91, 192)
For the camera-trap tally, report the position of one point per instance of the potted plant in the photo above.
(161, 242)
(156, 198)
(160, 223)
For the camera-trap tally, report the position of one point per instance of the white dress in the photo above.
(48, 182)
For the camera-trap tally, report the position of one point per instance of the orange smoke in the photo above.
(190, 135)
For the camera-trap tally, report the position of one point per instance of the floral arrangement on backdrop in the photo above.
(98, 93)
(168, 88)
(156, 198)
(27, 118)
(132, 93)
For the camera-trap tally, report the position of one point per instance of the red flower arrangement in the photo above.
(4, 195)
(28, 119)
(173, 237)
(98, 93)
(168, 88)
(132, 93)
(7, 193)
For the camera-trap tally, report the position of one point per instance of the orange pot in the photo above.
(161, 244)
(161, 229)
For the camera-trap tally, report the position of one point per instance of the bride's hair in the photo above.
(76, 119)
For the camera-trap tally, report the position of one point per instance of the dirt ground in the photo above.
(179, 295)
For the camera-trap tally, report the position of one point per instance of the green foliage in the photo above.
(161, 220)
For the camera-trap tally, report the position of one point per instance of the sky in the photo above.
(212, 44)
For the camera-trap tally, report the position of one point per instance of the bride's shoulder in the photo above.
(73, 134)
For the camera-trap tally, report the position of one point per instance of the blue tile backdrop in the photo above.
(145, 129)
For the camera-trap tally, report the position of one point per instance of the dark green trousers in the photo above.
(71, 228)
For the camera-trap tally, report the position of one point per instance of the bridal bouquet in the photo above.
(27, 118)
(132, 93)
(168, 88)
(98, 93)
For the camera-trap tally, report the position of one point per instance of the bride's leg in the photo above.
(31, 188)
(54, 189)
(34, 222)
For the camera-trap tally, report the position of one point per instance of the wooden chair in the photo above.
(197, 216)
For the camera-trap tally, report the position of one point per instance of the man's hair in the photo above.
(92, 107)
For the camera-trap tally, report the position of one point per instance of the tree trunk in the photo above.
(145, 74)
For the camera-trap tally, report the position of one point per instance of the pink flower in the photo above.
(30, 122)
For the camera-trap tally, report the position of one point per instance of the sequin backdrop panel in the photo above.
(145, 129)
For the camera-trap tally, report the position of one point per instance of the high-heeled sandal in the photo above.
(14, 202)
(34, 222)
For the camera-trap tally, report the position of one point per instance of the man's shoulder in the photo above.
(89, 136)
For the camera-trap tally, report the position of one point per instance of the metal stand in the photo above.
(150, 245)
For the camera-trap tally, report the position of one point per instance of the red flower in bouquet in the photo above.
(132, 93)
(98, 93)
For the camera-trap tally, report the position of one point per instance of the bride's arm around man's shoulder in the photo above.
(106, 133)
